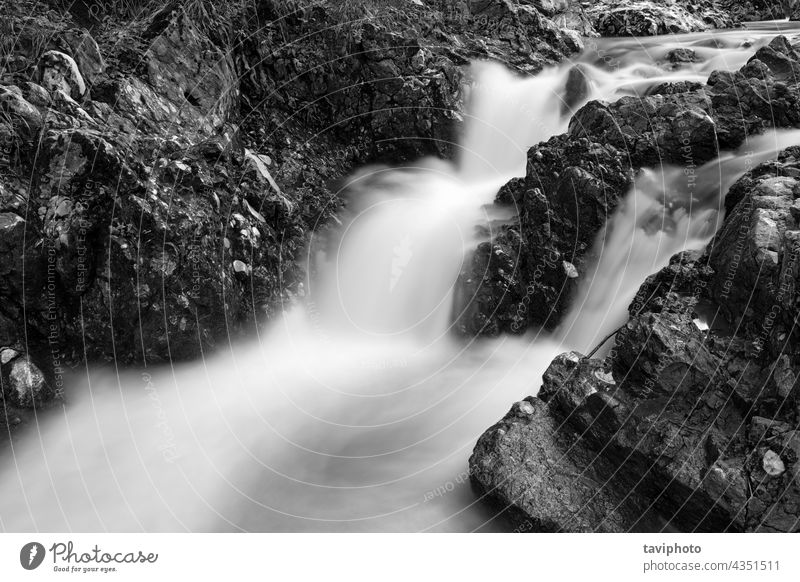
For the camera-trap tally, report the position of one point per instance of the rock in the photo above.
(27, 387)
(36, 95)
(537, 466)
(66, 104)
(672, 426)
(780, 58)
(60, 71)
(682, 55)
(577, 89)
(773, 466)
(84, 50)
(6, 355)
(571, 187)
(643, 18)
(570, 269)
(184, 65)
(25, 118)
(579, 179)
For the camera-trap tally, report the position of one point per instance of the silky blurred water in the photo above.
(358, 410)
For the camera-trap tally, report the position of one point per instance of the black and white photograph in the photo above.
(362, 268)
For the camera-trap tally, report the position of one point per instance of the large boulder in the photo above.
(59, 71)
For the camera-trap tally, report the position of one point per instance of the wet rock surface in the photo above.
(575, 181)
(694, 412)
(162, 171)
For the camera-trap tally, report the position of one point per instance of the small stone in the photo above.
(605, 377)
(772, 463)
(12, 103)
(64, 208)
(7, 354)
(240, 267)
(258, 163)
(28, 388)
(525, 407)
(570, 269)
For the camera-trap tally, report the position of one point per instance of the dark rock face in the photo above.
(694, 412)
(575, 181)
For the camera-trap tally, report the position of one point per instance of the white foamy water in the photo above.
(357, 411)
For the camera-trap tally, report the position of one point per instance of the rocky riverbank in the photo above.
(163, 166)
(693, 415)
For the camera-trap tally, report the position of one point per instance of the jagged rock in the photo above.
(682, 55)
(86, 53)
(578, 179)
(7, 354)
(571, 187)
(36, 95)
(757, 251)
(669, 128)
(60, 71)
(755, 10)
(535, 465)
(184, 65)
(642, 18)
(577, 88)
(671, 416)
(25, 118)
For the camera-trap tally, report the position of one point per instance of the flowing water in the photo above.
(357, 411)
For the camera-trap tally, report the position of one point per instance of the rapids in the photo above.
(357, 410)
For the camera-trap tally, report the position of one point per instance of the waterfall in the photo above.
(358, 410)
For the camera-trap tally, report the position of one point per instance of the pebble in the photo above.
(772, 463)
